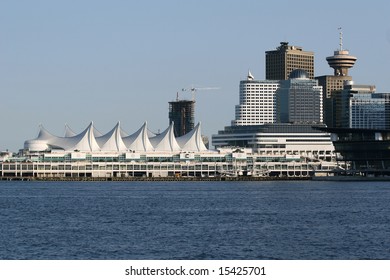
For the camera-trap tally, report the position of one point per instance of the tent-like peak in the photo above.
(165, 141)
(139, 141)
(85, 141)
(112, 141)
(44, 134)
(192, 141)
(69, 132)
(116, 140)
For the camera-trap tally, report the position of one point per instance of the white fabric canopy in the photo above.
(116, 140)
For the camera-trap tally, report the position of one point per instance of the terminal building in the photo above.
(116, 154)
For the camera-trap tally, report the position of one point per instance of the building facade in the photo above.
(356, 106)
(182, 114)
(299, 99)
(369, 111)
(257, 102)
(331, 87)
(362, 151)
(281, 62)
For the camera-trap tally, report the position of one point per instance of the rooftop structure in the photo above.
(341, 61)
(116, 140)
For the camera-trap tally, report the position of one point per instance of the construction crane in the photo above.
(193, 90)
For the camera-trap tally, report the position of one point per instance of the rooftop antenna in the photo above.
(341, 38)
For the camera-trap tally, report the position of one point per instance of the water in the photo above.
(194, 220)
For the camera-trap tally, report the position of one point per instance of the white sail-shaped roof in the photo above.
(112, 141)
(118, 141)
(192, 141)
(44, 134)
(139, 141)
(41, 142)
(166, 141)
(85, 141)
(69, 132)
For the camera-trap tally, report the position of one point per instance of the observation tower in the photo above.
(341, 61)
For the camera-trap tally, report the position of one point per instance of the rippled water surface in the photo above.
(194, 220)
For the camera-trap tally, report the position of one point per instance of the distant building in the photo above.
(331, 87)
(182, 114)
(299, 99)
(257, 102)
(358, 106)
(341, 61)
(280, 62)
(369, 111)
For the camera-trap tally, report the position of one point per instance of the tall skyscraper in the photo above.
(182, 114)
(299, 99)
(281, 62)
(257, 102)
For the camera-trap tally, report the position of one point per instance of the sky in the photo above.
(76, 61)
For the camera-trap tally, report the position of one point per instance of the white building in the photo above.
(257, 102)
(279, 141)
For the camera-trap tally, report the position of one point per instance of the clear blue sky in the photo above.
(78, 61)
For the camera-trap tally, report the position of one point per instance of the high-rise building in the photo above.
(182, 114)
(281, 62)
(341, 61)
(257, 102)
(299, 99)
(358, 106)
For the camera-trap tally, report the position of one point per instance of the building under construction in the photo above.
(182, 113)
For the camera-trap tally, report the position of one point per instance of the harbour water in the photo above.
(195, 220)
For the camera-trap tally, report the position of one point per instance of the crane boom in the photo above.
(195, 89)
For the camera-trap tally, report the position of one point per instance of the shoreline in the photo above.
(199, 179)
(154, 179)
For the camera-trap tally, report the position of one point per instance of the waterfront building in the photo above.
(281, 62)
(90, 155)
(332, 85)
(256, 102)
(279, 141)
(361, 151)
(299, 99)
(182, 114)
